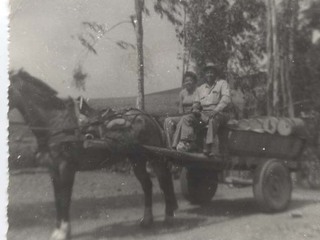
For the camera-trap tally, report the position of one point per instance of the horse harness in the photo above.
(64, 140)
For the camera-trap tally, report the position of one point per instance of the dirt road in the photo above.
(108, 206)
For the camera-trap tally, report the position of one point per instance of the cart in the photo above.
(271, 157)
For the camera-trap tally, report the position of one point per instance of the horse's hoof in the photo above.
(62, 233)
(54, 234)
(146, 223)
(147, 219)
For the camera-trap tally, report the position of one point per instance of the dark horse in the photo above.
(55, 125)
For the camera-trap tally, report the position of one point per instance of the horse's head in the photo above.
(39, 105)
(28, 90)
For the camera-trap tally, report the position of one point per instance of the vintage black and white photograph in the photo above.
(163, 119)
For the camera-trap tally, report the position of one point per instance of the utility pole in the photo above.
(139, 4)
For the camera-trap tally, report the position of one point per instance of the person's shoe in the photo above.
(209, 150)
(184, 146)
(206, 150)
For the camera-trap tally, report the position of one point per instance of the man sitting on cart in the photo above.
(209, 108)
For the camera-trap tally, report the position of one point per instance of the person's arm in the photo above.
(196, 105)
(225, 97)
(180, 103)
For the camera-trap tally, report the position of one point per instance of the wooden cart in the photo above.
(271, 157)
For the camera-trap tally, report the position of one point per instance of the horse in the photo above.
(55, 125)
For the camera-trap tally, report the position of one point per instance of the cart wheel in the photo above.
(272, 186)
(198, 185)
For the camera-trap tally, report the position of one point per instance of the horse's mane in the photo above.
(35, 89)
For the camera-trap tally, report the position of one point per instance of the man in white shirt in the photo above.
(211, 101)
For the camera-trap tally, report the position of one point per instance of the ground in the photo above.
(108, 205)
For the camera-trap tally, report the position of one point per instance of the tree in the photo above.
(244, 35)
(92, 33)
(281, 28)
(273, 59)
(306, 71)
(298, 56)
(91, 39)
(213, 27)
(229, 33)
(285, 50)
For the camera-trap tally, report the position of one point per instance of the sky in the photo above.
(43, 41)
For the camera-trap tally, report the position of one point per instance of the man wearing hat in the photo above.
(211, 101)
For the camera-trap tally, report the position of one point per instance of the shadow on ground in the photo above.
(132, 229)
(220, 210)
(37, 213)
(238, 207)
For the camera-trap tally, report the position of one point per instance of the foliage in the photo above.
(233, 34)
(93, 32)
(230, 33)
(217, 30)
(89, 37)
(306, 78)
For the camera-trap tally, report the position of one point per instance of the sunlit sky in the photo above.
(43, 42)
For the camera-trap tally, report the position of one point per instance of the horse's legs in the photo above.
(62, 176)
(139, 168)
(164, 176)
